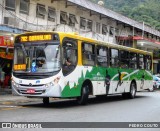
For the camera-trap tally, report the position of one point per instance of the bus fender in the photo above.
(88, 83)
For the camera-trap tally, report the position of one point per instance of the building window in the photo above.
(64, 18)
(86, 24)
(111, 31)
(116, 32)
(24, 6)
(104, 30)
(10, 5)
(41, 11)
(98, 26)
(72, 20)
(51, 14)
(82, 23)
(89, 25)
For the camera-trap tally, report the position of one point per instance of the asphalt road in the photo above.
(144, 108)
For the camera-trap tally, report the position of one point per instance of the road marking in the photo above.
(10, 107)
(7, 106)
(7, 103)
(5, 109)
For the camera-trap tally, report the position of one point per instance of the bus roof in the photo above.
(75, 35)
(98, 42)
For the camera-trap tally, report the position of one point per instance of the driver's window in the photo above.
(69, 50)
(39, 56)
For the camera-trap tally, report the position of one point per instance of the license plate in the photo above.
(31, 91)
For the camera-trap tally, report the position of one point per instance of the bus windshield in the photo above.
(36, 58)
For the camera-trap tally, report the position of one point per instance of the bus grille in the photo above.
(37, 92)
(32, 85)
(38, 89)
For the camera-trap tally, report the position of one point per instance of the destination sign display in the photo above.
(20, 67)
(32, 38)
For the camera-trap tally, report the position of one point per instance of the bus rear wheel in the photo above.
(82, 100)
(46, 100)
(133, 90)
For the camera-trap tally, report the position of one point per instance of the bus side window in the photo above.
(70, 58)
(102, 56)
(114, 57)
(88, 54)
(141, 61)
(148, 62)
(124, 59)
(133, 60)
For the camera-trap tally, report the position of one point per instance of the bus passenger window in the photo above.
(69, 56)
(133, 60)
(114, 58)
(148, 62)
(124, 59)
(88, 51)
(141, 61)
(102, 56)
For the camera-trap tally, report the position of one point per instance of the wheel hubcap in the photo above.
(133, 90)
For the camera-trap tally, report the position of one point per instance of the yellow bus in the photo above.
(66, 65)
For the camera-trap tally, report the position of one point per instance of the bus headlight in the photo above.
(54, 82)
(15, 84)
(49, 84)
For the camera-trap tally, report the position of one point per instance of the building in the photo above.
(82, 16)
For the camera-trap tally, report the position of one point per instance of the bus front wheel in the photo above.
(82, 100)
(46, 100)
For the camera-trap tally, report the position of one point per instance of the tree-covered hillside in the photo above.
(140, 10)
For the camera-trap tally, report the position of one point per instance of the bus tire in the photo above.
(133, 90)
(46, 100)
(82, 100)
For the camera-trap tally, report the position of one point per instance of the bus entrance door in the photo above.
(101, 86)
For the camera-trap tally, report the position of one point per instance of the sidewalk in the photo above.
(5, 91)
(14, 100)
(6, 98)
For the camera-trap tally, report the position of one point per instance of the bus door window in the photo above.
(148, 62)
(141, 61)
(88, 51)
(102, 56)
(124, 59)
(133, 60)
(114, 57)
(70, 57)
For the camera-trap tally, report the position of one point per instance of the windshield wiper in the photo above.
(24, 50)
